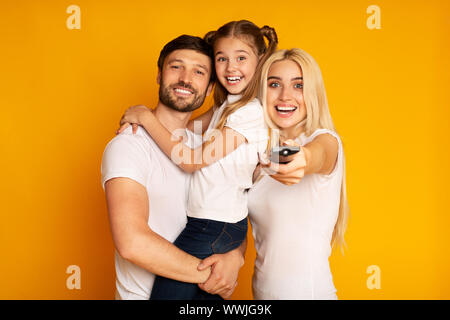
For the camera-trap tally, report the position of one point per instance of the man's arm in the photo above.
(128, 211)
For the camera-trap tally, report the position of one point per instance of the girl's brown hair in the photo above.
(253, 36)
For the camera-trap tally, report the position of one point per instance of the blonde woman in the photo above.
(296, 222)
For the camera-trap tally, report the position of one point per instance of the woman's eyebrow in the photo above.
(278, 78)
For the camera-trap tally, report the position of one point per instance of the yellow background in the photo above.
(63, 92)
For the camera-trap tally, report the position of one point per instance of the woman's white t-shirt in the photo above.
(219, 191)
(292, 227)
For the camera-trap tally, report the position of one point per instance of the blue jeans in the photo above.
(200, 238)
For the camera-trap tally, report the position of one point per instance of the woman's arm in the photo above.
(318, 156)
(321, 154)
(221, 142)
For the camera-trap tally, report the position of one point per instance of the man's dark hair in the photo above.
(190, 43)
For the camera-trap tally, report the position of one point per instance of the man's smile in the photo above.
(182, 92)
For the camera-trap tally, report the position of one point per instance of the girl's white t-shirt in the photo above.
(219, 191)
(292, 227)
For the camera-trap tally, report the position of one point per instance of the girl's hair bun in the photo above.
(269, 33)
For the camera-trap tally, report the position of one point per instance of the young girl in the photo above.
(223, 166)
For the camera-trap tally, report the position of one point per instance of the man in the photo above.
(146, 193)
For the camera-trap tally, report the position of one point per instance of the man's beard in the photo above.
(167, 97)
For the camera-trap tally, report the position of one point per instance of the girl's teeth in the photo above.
(233, 79)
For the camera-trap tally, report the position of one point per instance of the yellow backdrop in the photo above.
(65, 83)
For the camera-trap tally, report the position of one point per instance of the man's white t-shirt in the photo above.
(137, 156)
(219, 191)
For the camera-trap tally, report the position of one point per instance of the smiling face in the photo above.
(184, 80)
(235, 64)
(284, 100)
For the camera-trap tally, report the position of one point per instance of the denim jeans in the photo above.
(200, 238)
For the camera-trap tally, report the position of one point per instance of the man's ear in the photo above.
(158, 77)
(210, 87)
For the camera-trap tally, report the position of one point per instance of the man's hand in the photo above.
(224, 272)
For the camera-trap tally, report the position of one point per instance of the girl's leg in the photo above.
(169, 289)
(201, 238)
(195, 239)
(231, 237)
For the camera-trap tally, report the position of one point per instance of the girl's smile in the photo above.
(233, 80)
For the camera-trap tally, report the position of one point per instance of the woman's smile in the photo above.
(285, 110)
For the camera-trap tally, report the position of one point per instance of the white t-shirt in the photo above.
(292, 227)
(139, 158)
(218, 191)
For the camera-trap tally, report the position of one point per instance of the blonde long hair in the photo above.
(317, 117)
(248, 32)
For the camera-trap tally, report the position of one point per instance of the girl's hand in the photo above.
(290, 173)
(134, 116)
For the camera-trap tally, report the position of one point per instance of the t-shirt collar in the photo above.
(232, 98)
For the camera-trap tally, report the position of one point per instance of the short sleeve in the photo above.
(126, 156)
(249, 122)
(340, 162)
